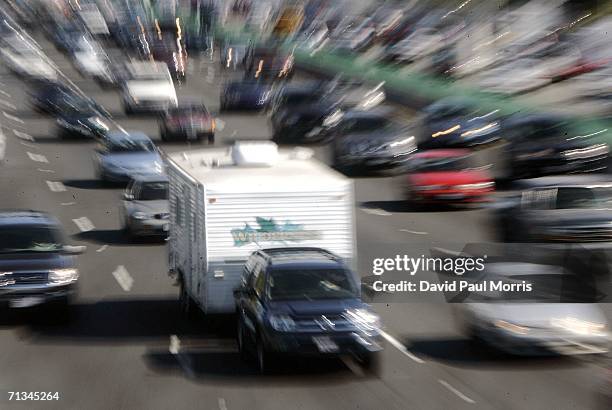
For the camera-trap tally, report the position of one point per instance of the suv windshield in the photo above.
(153, 191)
(29, 239)
(311, 284)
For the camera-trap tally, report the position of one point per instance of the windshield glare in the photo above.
(30, 239)
(311, 284)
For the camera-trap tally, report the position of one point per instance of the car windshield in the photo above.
(440, 164)
(584, 197)
(153, 191)
(311, 284)
(127, 145)
(29, 239)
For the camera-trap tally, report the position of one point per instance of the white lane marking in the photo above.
(37, 157)
(376, 211)
(102, 248)
(5, 94)
(220, 124)
(27, 144)
(56, 186)
(13, 118)
(68, 203)
(23, 135)
(414, 232)
(84, 224)
(210, 75)
(222, 404)
(400, 346)
(123, 278)
(457, 392)
(8, 104)
(175, 344)
(50, 171)
(353, 367)
(2, 145)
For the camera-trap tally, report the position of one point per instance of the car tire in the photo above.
(370, 363)
(241, 340)
(266, 362)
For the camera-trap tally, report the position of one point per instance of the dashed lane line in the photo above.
(456, 392)
(38, 157)
(56, 186)
(84, 224)
(123, 278)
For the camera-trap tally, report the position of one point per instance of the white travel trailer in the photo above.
(226, 203)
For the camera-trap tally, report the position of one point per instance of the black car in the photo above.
(82, 124)
(369, 139)
(302, 122)
(245, 95)
(296, 94)
(557, 209)
(457, 123)
(268, 62)
(36, 265)
(188, 122)
(303, 301)
(58, 100)
(546, 144)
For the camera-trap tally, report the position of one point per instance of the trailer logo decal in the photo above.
(271, 231)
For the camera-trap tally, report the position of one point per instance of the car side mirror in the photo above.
(74, 249)
(128, 197)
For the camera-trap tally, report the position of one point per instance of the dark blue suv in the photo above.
(303, 301)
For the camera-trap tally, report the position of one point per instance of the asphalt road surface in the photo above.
(128, 347)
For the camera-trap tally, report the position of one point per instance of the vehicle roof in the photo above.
(297, 258)
(565, 180)
(287, 174)
(25, 217)
(443, 153)
(128, 135)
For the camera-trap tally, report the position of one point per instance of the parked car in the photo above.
(144, 209)
(188, 122)
(557, 209)
(36, 265)
(447, 176)
(547, 144)
(120, 156)
(368, 139)
(303, 301)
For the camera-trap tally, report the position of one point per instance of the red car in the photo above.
(447, 175)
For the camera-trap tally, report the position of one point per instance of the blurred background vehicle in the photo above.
(149, 88)
(120, 156)
(144, 210)
(447, 176)
(557, 209)
(189, 121)
(245, 95)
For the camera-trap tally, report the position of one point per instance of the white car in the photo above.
(25, 59)
(149, 88)
(91, 61)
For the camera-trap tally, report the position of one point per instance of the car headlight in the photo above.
(511, 327)
(140, 215)
(63, 276)
(402, 143)
(363, 319)
(579, 326)
(487, 129)
(480, 185)
(281, 323)
(587, 152)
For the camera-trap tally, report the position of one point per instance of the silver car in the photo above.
(144, 209)
(122, 155)
(536, 322)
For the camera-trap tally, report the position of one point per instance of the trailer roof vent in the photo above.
(255, 153)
